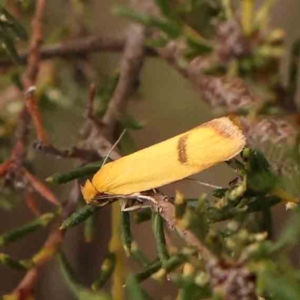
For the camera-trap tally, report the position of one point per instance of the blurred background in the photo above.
(165, 103)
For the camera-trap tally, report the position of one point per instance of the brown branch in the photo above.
(29, 79)
(85, 155)
(129, 69)
(22, 130)
(76, 48)
(232, 94)
(166, 209)
(36, 116)
(91, 100)
(5, 166)
(90, 114)
(97, 135)
(31, 202)
(32, 69)
(40, 188)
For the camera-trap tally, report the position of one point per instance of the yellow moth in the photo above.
(168, 161)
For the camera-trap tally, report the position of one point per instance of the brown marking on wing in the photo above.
(224, 127)
(181, 149)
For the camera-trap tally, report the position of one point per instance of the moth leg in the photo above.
(98, 203)
(146, 206)
(123, 206)
(144, 197)
(130, 208)
(136, 207)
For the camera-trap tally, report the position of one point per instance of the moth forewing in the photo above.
(169, 161)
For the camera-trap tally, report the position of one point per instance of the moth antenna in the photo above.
(113, 147)
(204, 183)
(107, 156)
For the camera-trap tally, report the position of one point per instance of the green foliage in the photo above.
(14, 264)
(105, 93)
(78, 290)
(149, 270)
(86, 170)
(135, 291)
(126, 233)
(165, 7)
(188, 289)
(107, 269)
(260, 176)
(10, 30)
(13, 235)
(158, 230)
(279, 284)
(197, 47)
(170, 27)
(79, 216)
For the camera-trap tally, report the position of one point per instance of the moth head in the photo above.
(89, 192)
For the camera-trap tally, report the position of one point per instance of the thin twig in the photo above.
(31, 202)
(22, 130)
(36, 116)
(90, 114)
(76, 48)
(32, 69)
(40, 187)
(4, 167)
(28, 80)
(166, 209)
(72, 153)
(130, 67)
(99, 137)
(91, 100)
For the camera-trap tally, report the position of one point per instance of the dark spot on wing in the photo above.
(223, 127)
(181, 149)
